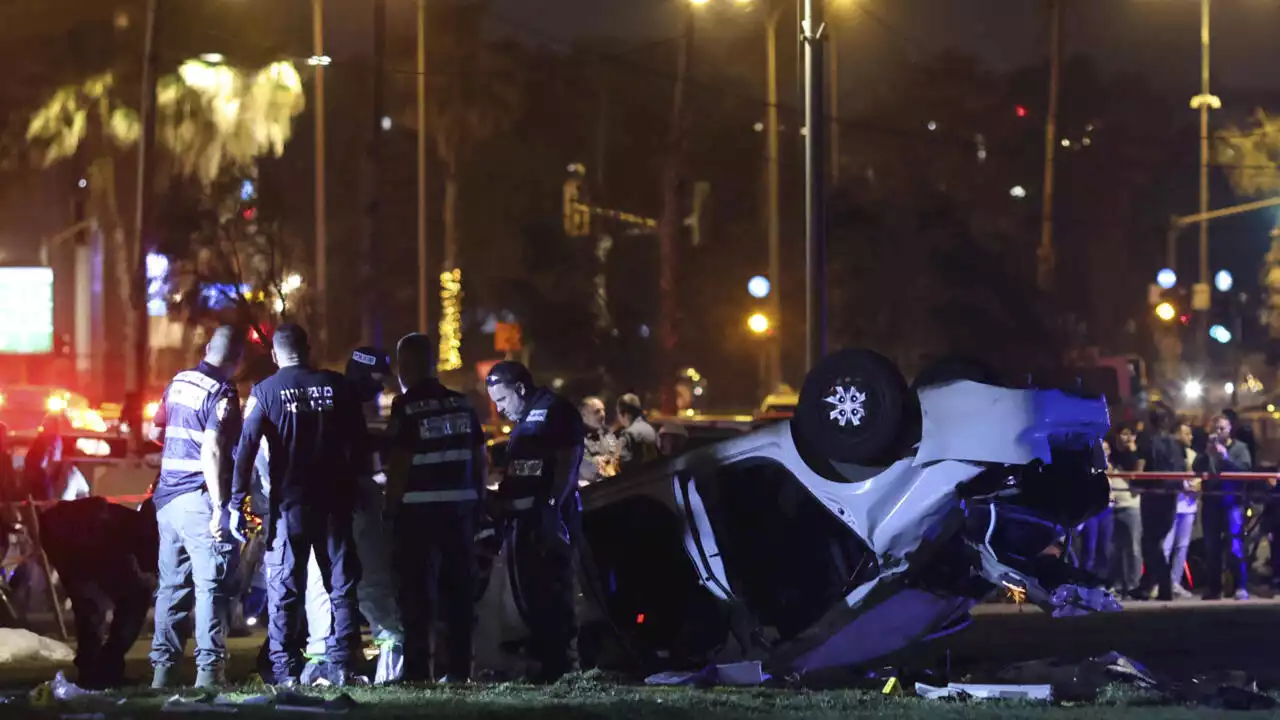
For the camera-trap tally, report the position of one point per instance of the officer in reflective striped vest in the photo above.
(539, 497)
(200, 422)
(435, 481)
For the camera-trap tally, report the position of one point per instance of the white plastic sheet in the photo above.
(24, 646)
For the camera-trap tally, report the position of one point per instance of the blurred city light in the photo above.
(1166, 278)
(1017, 191)
(1220, 333)
(758, 323)
(1229, 388)
(1193, 389)
(1223, 281)
(322, 60)
(759, 287)
(1166, 311)
(213, 58)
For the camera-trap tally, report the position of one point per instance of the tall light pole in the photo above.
(773, 373)
(815, 185)
(1204, 102)
(672, 215)
(1046, 256)
(372, 176)
(319, 60)
(136, 369)
(423, 286)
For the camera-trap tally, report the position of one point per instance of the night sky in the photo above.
(1159, 38)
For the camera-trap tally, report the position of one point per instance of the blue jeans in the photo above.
(195, 571)
(1223, 522)
(1126, 552)
(1095, 544)
(1176, 544)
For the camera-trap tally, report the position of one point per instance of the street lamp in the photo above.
(758, 287)
(1166, 311)
(758, 323)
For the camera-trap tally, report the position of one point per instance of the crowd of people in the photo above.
(348, 525)
(631, 441)
(1140, 544)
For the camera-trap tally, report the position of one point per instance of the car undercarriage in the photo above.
(875, 519)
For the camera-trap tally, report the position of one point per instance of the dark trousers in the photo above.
(1158, 510)
(114, 584)
(434, 557)
(542, 560)
(1222, 520)
(294, 535)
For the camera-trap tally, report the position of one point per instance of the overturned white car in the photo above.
(876, 518)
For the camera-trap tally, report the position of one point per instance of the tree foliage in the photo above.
(1251, 155)
(209, 118)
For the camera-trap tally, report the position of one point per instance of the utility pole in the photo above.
(833, 104)
(773, 356)
(1204, 102)
(1046, 256)
(319, 60)
(669, 225)
(815, 186)
(423, 286)
(373, 190)
(136, 370)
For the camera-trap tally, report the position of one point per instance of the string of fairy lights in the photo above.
(450, 320)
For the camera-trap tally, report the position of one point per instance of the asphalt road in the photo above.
(1181, 639)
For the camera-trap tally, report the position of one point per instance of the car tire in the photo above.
(853, 409)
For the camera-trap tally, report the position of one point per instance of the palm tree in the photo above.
(472, 95)
(211, 120)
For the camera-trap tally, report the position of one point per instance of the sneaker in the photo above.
(1242, 594)
(332, 675)
(312, 671)
(165, 678)
(454, 680)
(1181, 593)
(210, 678)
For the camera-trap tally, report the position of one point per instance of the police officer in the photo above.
(435, 483)
(539, 494)
(199, 420)
(105, 555)
(368, 370)
(315, 448)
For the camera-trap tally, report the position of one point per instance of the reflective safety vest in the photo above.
(194, 402)
(441, 430)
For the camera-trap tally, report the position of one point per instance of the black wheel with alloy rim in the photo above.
(852, 409)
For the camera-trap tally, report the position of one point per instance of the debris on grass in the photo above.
(965, 691)
(740, 674)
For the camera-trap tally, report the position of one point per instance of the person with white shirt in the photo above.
(1178, 540)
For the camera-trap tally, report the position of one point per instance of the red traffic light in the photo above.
(1020, 110)
(249, 213)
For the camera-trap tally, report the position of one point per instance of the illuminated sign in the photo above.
(26, 310)
(157, 285)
